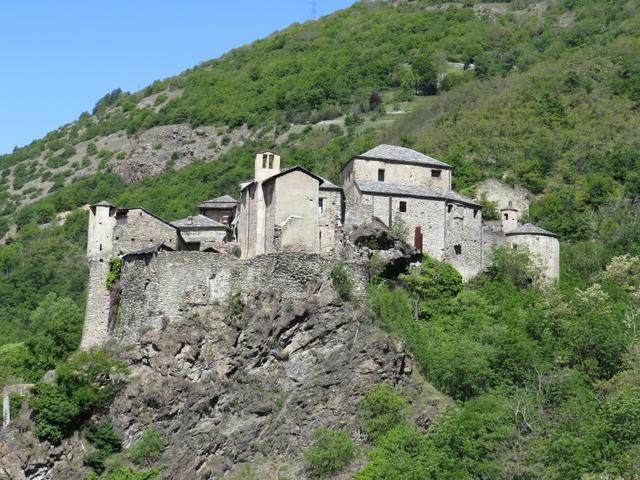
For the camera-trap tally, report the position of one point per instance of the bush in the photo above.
(341, 281)
(147, 449)
(432, 283)
(331, 452)
(85, 383)
(382, 409)
(515, 266)
(115, 268)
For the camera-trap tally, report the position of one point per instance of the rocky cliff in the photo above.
(245, 381)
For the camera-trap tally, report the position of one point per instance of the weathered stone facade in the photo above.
(292, 212)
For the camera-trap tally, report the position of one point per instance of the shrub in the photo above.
(514, 266)
(331, 452)
(341, 281)
(432, 283)
(15, 404)
(106, 442)
(382, 409)
(147, 449)
(85, 383)
(115, 269)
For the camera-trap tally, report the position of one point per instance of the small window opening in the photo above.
(475, 213)
(403, 207)
(436, 173)
(381, 174)
(449, 208)
(457, 249)
(117, 238)
(100, 247)
(506, 216)
(515, 247)
(321, 205)
(133, 239)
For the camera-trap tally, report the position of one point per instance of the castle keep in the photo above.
(296, 212)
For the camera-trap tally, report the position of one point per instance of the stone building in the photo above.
(295, 211)
(543, 246)
(405, 188)
(289, 210)
(221, 209)
(203, 233)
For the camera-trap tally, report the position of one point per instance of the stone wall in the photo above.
(161, 288)
(463, 239)
(95, 331)
(501, 194)
(330, 221)
(545, 251)
(141, 231)
(400, 173)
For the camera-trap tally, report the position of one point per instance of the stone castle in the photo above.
(296, 212)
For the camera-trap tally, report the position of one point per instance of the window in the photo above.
(381, 174)
(403, 207)
(436, 173)
(121, 219)
(457, 249)
(449, 208)
(506, 216)
(321, 206)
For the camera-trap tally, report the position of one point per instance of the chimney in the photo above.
(189, 220)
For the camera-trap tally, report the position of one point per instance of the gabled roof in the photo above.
(162, 220)
(531, 229)
(198, 222)
(223, 202)
(382, 188)
(291, 170)
(327, 185)
(395, 154)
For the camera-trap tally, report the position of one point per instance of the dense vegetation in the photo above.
(546, 378)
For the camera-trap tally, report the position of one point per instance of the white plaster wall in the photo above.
(399, 173)
(296, 212)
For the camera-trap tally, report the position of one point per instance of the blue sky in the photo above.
(57, 58)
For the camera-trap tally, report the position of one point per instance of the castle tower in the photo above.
(543, 245)
(267, 165)
(509, 217)
(102, 221)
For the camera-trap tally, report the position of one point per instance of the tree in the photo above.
(432, 283)
(426, 76)
(56, 327)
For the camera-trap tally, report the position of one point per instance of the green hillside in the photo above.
(547, 379)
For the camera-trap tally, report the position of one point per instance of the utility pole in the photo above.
(314, 8)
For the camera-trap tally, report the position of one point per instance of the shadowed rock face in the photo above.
(248, 381)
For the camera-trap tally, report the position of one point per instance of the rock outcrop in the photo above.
(244, 381)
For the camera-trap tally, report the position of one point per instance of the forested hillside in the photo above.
(548, 98)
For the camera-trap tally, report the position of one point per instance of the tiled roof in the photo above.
(382, 188)
(531, 229)
(224, 201)
(401, 154)
(198, 221)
